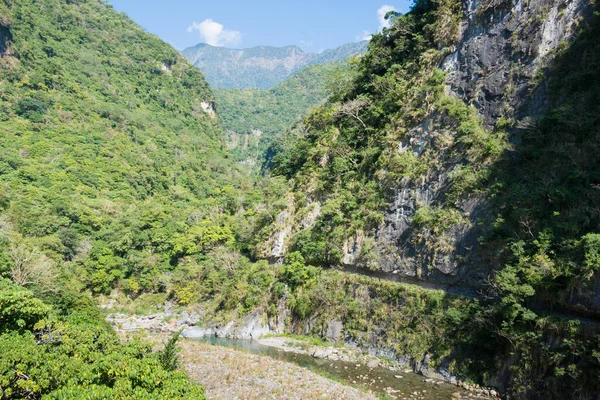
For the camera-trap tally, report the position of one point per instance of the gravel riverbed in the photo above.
(231, 374)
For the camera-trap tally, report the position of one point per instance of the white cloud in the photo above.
(365, 35)
(214, 33)
(306, 43)
(381, 13)
(383, 23)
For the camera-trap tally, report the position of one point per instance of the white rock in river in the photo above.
(320, 353)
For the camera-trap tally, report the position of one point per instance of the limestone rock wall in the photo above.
(499, 66)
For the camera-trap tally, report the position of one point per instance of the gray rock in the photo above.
(333, 330)
(320, 352)
(195, 332)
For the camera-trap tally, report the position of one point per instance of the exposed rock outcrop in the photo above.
(251, 326)
(499, 64)
(503, 49)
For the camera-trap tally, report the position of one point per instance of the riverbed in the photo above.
(370, 380)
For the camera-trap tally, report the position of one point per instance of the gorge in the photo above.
(436, 205)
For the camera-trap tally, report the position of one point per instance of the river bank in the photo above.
(370, 370)
(228, 374)
(371, 377)
(354, 354)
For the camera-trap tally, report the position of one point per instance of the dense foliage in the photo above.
(253, 117)
(76, 356)
(110, 167)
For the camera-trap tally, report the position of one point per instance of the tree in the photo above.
(353, 108)
(19, 309)
(296, 272)
(30, 267)
(169, 356)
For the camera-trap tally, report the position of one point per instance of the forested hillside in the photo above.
(252, 118)
(109, 155)
(110, 148)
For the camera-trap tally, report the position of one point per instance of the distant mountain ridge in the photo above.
(260, 67)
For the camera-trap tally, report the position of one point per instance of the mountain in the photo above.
(260, 67)
(252, 118)
(341, 53)
(463, 158)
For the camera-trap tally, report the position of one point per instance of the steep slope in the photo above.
(110, 150)
(420, 166)
(463, 157)
(252, 117)
(260, 67)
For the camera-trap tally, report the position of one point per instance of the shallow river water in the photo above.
(378, 380)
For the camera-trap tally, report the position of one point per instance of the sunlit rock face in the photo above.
(503, 49)
(499, 64)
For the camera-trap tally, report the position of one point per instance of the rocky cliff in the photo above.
(499, 65)
(499, 62)
(505, 47)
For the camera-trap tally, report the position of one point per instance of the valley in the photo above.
(426, 201)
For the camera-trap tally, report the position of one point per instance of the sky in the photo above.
(314, 25)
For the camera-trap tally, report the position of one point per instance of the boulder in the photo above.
(195, 332)
(319, 352)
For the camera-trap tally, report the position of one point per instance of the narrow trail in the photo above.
(586, 318)
(451, 289)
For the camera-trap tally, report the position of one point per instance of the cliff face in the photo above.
(504, 48)
(500, 65)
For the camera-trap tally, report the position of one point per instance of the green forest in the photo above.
(245, 112)
(116, 180)
(107, 162)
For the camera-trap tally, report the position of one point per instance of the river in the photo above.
(379, 380)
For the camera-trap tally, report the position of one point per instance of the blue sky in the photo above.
(314, 25)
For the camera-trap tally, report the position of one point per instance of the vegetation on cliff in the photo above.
(350, 155)
(253, 117)
(114, 176)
